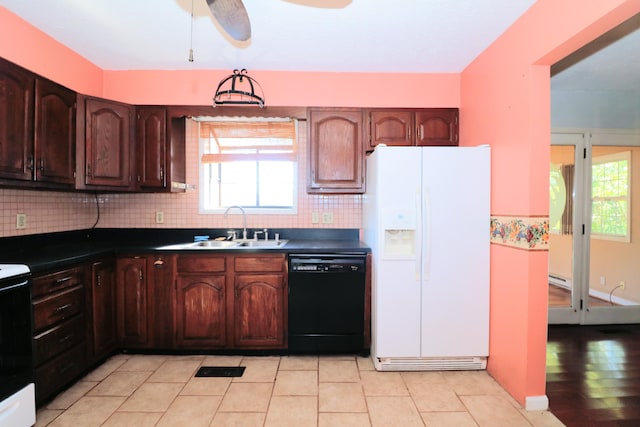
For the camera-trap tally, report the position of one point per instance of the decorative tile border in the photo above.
(521, 232)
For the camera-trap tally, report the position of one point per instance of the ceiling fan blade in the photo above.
(233, 17)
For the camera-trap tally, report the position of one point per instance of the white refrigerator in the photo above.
(426, 219)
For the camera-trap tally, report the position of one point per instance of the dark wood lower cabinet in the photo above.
(200, 310)
(60, 329)
(131, 298)
(259, 310)
(144, 301)
(230, 302)
(103, 305)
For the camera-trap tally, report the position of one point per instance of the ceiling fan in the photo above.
(233, 17)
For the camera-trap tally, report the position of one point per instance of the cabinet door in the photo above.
(200, 310)
(336, 155)
(104, 307)
(131, 295)
(16, 122)
(259, 310)
(107, 144)
(390, 127)
(151, 141)
(437, 126)
(55, 133)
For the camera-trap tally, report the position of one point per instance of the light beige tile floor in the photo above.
(298, 391)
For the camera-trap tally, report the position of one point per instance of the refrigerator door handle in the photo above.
(426, 234)
(418, 237)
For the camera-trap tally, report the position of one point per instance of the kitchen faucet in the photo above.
(244, 218)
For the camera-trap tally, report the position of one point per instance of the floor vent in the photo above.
(220, 371)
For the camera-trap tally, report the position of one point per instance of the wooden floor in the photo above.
(593, 374)
(561, 297)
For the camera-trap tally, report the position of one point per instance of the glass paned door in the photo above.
(613, 270)
(564, 291)
(594, 242)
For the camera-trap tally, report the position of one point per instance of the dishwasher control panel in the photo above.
(327, 264)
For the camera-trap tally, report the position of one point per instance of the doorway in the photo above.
(594, 245)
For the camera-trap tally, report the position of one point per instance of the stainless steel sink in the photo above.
(216, 244)
(226, 244)
(263, 243)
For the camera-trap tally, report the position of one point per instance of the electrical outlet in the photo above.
(621, 284)
(21, 221)
(327, 217)
(315, 217)
(159, 217)
(603, 281)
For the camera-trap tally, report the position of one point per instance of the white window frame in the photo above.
(248, 209)
(609, 158)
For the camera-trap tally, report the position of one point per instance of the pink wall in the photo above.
(289, 88)
(23, 44)
(505, 103)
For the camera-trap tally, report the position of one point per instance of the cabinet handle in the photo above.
(30, 163)
(89, 170)
(41, 165)
(61, 281)
(421, 132)
(161, 173)
(159, 263)
(66, 367)
(66, 338)
(63, 308)
(98, 280)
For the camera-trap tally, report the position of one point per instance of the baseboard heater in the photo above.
(430, 363)
(559, 281)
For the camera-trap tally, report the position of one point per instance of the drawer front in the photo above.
(57, 281)
(201, 263)
(62, 370)
(54, 341)
(259, 263)
(54, 308)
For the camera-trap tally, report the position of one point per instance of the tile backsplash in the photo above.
(49, 211)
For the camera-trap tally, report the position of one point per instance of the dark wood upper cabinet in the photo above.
(108, 147)
(410, 127)
(391, 127)
(160, 150)
(55, 133)
(336, 156)
(437, 126)
(151, 144)
(16, 122)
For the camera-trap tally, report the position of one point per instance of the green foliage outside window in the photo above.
(610, 195)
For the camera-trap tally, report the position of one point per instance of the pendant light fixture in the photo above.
(238, 89)
(191, 40)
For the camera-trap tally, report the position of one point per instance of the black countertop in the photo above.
(44, 252)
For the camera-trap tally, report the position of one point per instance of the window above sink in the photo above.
(251, 163)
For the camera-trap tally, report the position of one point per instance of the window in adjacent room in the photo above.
(249, 163)
(610, 196)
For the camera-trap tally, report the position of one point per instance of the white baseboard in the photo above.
(536, 403)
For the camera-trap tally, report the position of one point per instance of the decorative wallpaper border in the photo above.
(521, 232)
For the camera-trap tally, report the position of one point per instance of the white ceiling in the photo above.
(422, 36)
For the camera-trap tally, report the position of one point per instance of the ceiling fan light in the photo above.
(238, 89)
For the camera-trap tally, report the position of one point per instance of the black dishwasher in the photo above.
(326, 303)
